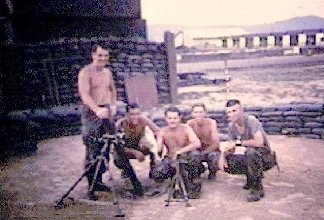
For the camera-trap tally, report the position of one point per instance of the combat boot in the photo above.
(248, 184)
(138, 189)
(101, 187)
(257, 192)
(255, 195)
(91, 196)
(212, 174)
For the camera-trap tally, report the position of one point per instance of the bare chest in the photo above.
(99, 80)
(175, 139)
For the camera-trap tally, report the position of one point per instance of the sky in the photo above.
(226, 12)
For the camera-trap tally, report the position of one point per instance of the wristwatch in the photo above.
(238, 142)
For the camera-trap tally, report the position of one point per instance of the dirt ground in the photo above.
(31, 185)
(263, 86)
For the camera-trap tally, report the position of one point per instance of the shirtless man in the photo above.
(206, 130)
(133, 125)
(98, 95)
(180, 141)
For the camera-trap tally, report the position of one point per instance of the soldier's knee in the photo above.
(162, 170)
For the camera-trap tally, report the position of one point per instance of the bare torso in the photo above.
(134, 132)
(203, 130)
(99, 82)
(175, 138)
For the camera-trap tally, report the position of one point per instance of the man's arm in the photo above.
(135, 153)
(256, 141)
(194, 142)
(256, 129)
(159, 141)
(112, 88)
(215, 139)
(151, 125)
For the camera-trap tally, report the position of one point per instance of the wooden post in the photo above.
(226, 78)
(172, 65)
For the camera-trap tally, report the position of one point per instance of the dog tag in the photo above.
(240, 150)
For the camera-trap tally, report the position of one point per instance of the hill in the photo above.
(297, 23)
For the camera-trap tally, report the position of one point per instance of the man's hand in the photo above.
(159, 153)
(102, 113)
(228, 146)
(139, 156)
(113, 110)
(222, 163)
(175, 156)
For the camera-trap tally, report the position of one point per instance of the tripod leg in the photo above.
(119, 212)
(59, 204)
(184, 191)
(171, 189)
(276, 162)
(94, 179)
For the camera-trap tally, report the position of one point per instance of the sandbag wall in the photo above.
(39, 81)
(297, 119)
(45, 75)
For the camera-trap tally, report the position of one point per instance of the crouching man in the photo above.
(246, 131)
(180, 142)
(136, 147)
(206, 130)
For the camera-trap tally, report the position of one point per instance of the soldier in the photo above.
(246, 130)
(206, 130)
(98, 95)
(136, 146)
(180, 141)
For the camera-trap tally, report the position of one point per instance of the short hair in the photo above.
(232, 102)
(198, 105)
(172, 109)
(132, 105)
(96, 46)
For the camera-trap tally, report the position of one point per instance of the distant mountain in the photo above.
(297, 23)
(156, 32)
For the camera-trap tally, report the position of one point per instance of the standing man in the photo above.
(133, 125)
(180, 141)
(98, 95)
(206, 130)
(247, 131)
